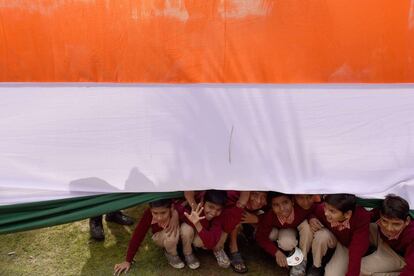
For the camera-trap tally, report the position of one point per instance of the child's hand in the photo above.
(281, 259)
(194, 217)
(119, 268)
(172, 227)
(248, 217)
(315, 224)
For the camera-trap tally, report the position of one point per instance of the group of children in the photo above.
(333, 234)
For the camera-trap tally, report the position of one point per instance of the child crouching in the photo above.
(163, 218)
(203, 228)
(338, 223)
(393, 236)
(280, 224)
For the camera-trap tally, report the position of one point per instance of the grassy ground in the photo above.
(67, 250)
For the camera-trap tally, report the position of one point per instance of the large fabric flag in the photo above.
(104, 103)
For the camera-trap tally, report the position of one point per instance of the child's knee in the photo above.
(305, 229)
(186, 231)
(323, 236)
(287, 243)
(330, 271)
(197, 242)
(274, 234)
(171, 240)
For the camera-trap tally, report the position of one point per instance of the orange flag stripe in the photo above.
(214, 41)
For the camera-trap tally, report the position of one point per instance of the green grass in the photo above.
(67, 250)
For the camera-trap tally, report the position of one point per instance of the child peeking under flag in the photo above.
(163, 217)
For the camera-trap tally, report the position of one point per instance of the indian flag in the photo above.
(104, 103)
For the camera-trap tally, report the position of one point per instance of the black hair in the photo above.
(394, 206)
(342, 202)
(272, 194)
(166, 202)
(216, 196)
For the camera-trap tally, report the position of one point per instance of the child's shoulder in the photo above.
(410, 231)
(361, 211)
(361, 215)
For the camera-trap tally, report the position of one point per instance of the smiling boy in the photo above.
(203, 228)
(163, 218)
(338, 223)
(280, 224)
(393, 235)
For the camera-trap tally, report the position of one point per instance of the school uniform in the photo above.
(159, 236)
(232, 214)
(209, 237)
(394, 256)
(284, 230)
(350, 238)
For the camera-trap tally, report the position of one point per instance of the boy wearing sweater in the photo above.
(240, 212)
(338, 223)
(280, 224)
(163, 219)
(203, 228)
(393, 235)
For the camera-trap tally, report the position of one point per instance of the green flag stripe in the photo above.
(27, 216)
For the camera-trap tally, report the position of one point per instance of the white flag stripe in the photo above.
(70, 140)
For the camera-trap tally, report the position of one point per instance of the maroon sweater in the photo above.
(211, 232)
(404, 246)
(142, 228)
(356, 239)
(231, 212)
(269, 221)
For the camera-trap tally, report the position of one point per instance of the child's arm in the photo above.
(263, 231)
(137, 237)
(262, 237)
(177, 216)
(315, 217)
(409, 260)
(250, 218)
(190, 197)
(243, 199)
(172, 227)
(359, 243)
(211, 236)
(139, 234)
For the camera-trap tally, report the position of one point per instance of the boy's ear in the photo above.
(408, 220)
(348, 214)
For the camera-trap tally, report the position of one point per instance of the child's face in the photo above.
(391, 227)
(304, 201)
(256, 200)
(334, 215)
(161, 214)
(212, 210)
(282, 206)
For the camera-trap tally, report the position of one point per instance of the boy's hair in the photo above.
(161, 203)
(342, 202)
(273, 194)
(216, 196)
(394, 206)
